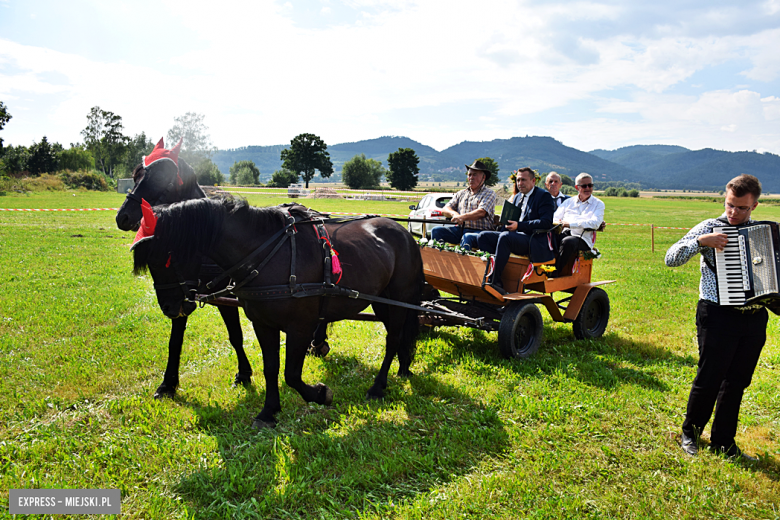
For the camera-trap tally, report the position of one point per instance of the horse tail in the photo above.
(411, 326)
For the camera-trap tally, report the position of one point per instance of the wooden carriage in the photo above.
(515, 315)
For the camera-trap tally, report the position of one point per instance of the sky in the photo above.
(591, 74)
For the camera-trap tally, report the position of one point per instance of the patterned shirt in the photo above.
(464, 202)
(687, 247)
(581, 216)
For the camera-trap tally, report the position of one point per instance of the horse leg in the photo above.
(171, 378)
(233, 324)
(269, 344)
(386, 314)
(297, 344)
(319, 346)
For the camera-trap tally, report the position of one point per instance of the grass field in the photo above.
(584, 429)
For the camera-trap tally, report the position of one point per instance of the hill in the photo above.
(675, 167)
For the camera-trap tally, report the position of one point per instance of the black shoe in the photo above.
(689, 445)
(732, 452)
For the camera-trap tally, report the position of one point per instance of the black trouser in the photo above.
(730, 344)
(568, 247)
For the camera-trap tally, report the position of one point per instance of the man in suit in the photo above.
(537, 209)
(553, 184)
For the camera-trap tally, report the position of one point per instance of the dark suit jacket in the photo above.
(539, 215)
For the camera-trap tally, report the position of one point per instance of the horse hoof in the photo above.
(374, 397)
(320, 350)
(164, 392)
(257, 424)
(242, 379)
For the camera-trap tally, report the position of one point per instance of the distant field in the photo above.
(584, 429)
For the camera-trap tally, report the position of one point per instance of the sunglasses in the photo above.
(585, 185)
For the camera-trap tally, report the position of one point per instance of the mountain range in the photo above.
(652, 166)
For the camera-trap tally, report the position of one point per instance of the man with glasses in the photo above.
(553, 184)
(578, 216)
(471, 208)
(730, 338)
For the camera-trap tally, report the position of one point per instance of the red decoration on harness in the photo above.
(168, 263)
(335, 265)
(161, 154)
(148, 223)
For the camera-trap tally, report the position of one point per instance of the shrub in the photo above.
(91, 180)
(283, 178)
(611, 192)
(633, 193)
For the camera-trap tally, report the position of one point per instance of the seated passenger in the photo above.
(537, 208)
(579, 216)
(553, 184)
(472, 207)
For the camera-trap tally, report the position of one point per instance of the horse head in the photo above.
(161, 178)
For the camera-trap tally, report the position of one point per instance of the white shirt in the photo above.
(581, 216)
(525, 201)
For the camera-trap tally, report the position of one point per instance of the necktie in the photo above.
(522, 211)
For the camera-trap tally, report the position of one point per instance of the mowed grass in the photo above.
(584, 429)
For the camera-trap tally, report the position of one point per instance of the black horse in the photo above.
(378, 257)
(167, 179)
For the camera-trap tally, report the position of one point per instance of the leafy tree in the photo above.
(104, 139)
(137, 147)
(566, 180)
(244, 173)
(307, 153)
(404, 169)
(283, 178)
(493, 167)
(4, 118)
(15, 159)
(196, 146)
(76, 158)
(360, 172)
(44, 157)
(208, 173)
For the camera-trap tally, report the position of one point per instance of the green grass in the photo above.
(584, 429)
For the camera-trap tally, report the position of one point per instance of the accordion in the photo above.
(747, 268)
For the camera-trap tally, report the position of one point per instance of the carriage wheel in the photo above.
(594, 315)
(520, 331)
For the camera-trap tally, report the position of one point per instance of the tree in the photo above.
(15, 159)
(208, 173)
(4, 118)
(360, 172)
(244, 173)
(76, 158)
(104, 139)
(283, 178)
(307, 153)
(137, 147)
(493, 167)
(196, 145)
(403, 169)
(44, 157)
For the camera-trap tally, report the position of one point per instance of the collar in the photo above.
(468, 188)
(586, 201)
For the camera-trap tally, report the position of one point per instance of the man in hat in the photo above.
(471, 208)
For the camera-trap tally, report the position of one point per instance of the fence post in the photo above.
(652, 238)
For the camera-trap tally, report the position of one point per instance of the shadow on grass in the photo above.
(608, 362)
(354, 456)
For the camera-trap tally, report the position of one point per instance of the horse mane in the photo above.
(195, 226)
(190, 180)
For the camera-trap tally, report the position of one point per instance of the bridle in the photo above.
(161, 199)
(189, 288)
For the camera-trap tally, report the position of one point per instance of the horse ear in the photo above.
(149, 220)
(148, 223)
(175, 151)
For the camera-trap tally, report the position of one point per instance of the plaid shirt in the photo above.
(464, 201)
